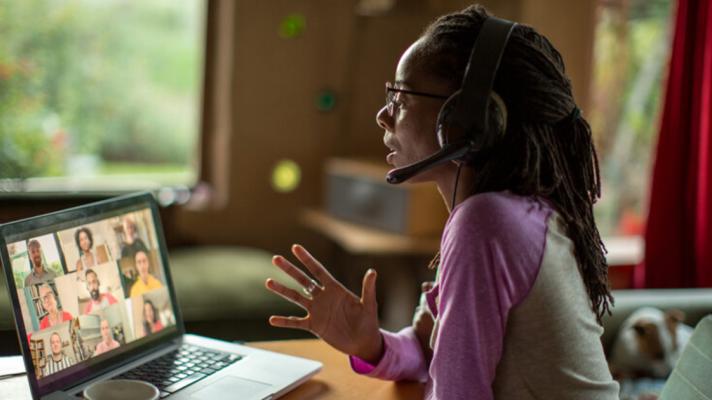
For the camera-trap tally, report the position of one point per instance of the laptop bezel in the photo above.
(74, 375)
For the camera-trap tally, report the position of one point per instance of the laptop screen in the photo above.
(89, 289)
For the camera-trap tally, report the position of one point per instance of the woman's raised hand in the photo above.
(336, 315)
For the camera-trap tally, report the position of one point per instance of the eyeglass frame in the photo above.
(391, 95)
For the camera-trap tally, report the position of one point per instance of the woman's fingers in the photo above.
(291, 270)
(368, 290)
(287, 293)
(312, 264)
(289, 322)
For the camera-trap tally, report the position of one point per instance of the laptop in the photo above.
(93, 299)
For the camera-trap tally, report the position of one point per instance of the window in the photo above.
(100, 94)
(632, 48)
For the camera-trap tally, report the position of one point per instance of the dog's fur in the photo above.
(649, 343)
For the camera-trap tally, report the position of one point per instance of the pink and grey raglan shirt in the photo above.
(512, 316)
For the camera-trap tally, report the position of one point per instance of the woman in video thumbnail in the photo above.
(151, 323)
(49, 303)
(87, 259)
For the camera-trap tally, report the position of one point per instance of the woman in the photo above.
(87, 259)
(54, 315)
(151, 323)
(521, 276)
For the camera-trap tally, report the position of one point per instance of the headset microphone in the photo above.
(465, 114)
(449, 152)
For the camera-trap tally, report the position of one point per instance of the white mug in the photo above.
(120, 389)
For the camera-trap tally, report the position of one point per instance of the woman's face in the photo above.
(84, 241)
(410, 130)
(148, 312)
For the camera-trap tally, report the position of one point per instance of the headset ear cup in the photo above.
(496, 128)
(497, 115)
(444, 119)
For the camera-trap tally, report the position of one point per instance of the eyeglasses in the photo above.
(391, 97)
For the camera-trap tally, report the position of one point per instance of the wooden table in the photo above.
(336, 379)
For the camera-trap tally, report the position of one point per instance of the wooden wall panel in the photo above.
(274, 86)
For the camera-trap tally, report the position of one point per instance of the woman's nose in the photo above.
(384, 120)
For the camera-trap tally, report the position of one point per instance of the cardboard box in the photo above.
(357, 191)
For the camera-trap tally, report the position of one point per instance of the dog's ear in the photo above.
(639, 328)
(672, 319)
(674, 316)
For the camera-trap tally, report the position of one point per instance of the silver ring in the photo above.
(309, 290)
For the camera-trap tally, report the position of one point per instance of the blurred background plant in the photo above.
(632, 48)
(95, 87)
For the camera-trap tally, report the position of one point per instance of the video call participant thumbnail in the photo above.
(57, 360)
(49, 303)
(39, 273)
(97, 299)
(88, 258)
(107, 339)
(131, 242)
(145, 282)
(151, 322)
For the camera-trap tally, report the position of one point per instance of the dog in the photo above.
(649, 343)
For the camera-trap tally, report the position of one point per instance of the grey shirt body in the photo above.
(555, 327)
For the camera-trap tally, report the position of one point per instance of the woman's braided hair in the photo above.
(547, 149)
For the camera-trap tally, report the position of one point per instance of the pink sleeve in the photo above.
(402, 358)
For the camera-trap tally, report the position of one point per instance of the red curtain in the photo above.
(678, 238)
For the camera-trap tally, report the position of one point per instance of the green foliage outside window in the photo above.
(114, 82)
(632, 48)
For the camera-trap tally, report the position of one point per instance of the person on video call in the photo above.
(97, 300)
(49, 304)
(39, 273)
(57, 360)
(87, 258)
(145, 282)
(107, 339)
(131, 243)
(521, 284)
(151, 323)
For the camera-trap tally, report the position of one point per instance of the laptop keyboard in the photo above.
(180, 368)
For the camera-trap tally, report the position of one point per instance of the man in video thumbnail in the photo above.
(107, 339)
(145, 282)
(56, 361)
(98, 300)
(39, 273)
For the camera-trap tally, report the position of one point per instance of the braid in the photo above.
(546, 151)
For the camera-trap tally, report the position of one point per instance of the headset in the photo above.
(466, 119)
